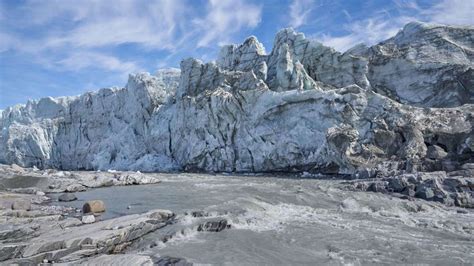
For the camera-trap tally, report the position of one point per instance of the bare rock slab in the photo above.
(102, 237)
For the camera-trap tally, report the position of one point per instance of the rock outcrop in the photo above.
(46, 236)
(302, 107)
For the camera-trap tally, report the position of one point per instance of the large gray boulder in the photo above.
(67, 197)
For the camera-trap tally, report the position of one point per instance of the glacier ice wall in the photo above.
(303, 106)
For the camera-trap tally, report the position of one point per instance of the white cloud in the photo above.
(299, 12)
(407, 4)
(453, 12)
(151, 24)
(7, 42)
(226, 17)
(369, 31)
(72, 36)
(382, 25)
(80, 60)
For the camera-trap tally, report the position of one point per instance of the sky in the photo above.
(67, 47)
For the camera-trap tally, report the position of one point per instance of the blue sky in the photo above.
(67, 47)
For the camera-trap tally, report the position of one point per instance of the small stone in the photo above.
(21, 205)
(365, 174)
(93, 206)
(397, 184)
(425, 193)
(377, 187)
(129, 207)
(75, 188)
(88, 219)
(198, 214)
(408, 191)
(67, 197)
(40, 193)
(436, 152)
(467, 166)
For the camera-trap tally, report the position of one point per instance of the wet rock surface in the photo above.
(263, 219)
(170, 261)
(32, 232)
(67, 197)
(49, 234)
(213, 226)
(447, 188)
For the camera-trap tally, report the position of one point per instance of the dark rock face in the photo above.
(434, 186)
(213, 226)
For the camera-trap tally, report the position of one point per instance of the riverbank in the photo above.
(236, 219)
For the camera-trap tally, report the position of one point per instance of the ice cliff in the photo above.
(404, 104)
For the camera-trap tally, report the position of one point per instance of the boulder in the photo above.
(424, 193)
(436, 152)
(214, 226)
(408, 191)
(67, 197)
(93, 206)
(75, 188)
(88, 219)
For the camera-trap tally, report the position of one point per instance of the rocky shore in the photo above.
(32, 180)
(454, 188)
(35, 231)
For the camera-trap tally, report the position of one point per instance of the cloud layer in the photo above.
(385, 21)
(73, 36)
(63, 47)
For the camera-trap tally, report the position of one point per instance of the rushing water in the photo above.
(292, 221)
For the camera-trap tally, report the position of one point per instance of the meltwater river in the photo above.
(283, 221)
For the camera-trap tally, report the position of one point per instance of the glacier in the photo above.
(405, 104)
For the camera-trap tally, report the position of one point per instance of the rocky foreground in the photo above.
(33, 230)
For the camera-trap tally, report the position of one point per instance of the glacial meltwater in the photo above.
(283, 221)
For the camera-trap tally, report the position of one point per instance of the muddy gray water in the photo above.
(282, 221)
